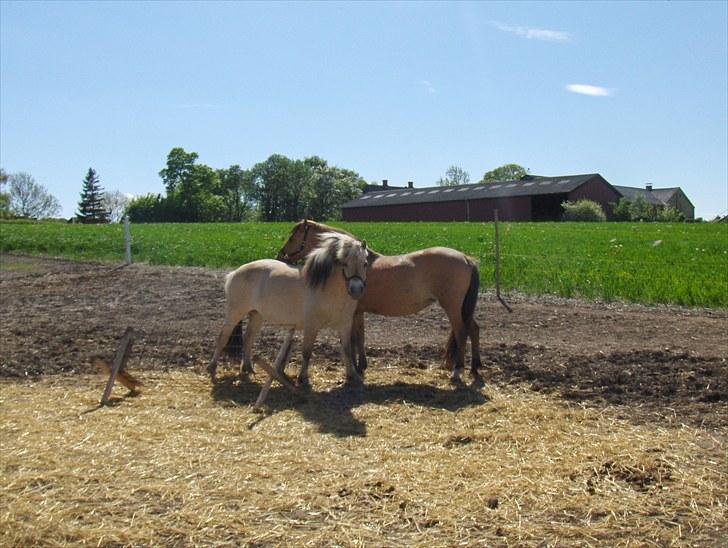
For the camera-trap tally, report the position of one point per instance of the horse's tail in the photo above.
(467, 311)
(234, 345)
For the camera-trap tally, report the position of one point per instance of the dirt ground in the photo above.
(657, 364)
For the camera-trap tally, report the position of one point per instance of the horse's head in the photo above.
(355, 268)
(299, 244)
(339, 250)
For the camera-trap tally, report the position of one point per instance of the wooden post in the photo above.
(122, 355)
(281, 360)
(497, 264)
(127, 240)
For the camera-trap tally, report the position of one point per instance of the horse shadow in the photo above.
(332, 410)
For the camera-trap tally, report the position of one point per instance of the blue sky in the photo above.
(635, 91)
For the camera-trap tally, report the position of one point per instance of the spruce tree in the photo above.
(91, 207)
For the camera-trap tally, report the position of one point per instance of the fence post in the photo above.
(127, 240)
(497, 263)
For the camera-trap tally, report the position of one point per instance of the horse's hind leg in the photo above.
(222, 339)
(353, 375)
(455, 349)
(255, 322)
(309, 337)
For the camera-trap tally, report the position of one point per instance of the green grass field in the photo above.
(684, 264)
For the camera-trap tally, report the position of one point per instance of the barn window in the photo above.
(405, 194)
(448, 190)
(564, 181)
(463, 189)
(390, 195)
(419, 192)
(365, 197)
(496, 186)
(511, 185)
(378, 196)
(528, 184)
(434, 191)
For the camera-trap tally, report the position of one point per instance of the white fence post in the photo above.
(127, 240)
(497, 264)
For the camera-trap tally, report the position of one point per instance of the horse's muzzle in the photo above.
(355, 286)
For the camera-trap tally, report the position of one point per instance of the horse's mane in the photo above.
(328, 229)
(334, 247)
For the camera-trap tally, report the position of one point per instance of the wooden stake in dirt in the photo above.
(497, 263)
(120, 359)
(281, 360)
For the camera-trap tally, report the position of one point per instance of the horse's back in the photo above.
(272, 288)
(405, 284)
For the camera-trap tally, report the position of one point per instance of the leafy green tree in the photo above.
(331, 186)
(91, 206)
(282, 187)
(4, 196)
(236, 191)
(454, 176)
(149, 208)
(669, 214)
(30, 199)
(115, 202)
(621, 210)
(641, 210)
(179, 165)
(583, 211)
(506, 172)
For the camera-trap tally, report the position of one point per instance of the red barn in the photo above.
(532, 198)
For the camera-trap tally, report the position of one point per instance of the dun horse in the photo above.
(323, 293)
(405, 284)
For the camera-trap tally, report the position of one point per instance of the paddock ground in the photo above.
(600, 424)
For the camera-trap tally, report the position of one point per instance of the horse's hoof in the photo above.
(304, 385)
(354, 382)
(455, 378)
(478, 382)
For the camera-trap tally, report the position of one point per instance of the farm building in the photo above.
(660, 197)
(532, 198)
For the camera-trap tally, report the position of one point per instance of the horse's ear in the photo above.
(305, 222)
(364, 244)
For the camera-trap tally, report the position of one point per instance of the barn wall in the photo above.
(509, 209)
(517, 208)
(597, 190)
(680, 202)
(436, 211)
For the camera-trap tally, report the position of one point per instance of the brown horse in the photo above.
(400, 285)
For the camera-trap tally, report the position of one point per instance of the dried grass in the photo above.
(408, 461)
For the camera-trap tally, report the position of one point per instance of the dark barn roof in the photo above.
(530, 185)
(650, 196)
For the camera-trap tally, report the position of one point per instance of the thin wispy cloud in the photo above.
(532, 33)
(588, 89)
(427, 86)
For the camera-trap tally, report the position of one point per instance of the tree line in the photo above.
(277, 189)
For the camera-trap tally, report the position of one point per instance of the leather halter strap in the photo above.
(306, 228)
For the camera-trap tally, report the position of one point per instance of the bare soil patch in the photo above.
(662, 363)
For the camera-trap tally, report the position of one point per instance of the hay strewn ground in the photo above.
(409, 460)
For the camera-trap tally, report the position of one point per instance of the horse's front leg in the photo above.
(309, 337)
(357, 343)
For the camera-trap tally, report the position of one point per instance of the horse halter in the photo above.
(306, 228)
(355, 276)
